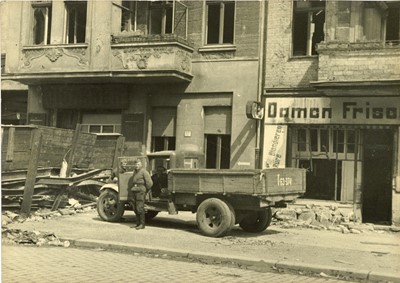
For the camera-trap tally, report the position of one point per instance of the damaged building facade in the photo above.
(165, 74)
(332, 100)
(178, 75)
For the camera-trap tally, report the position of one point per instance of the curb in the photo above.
(260, 265)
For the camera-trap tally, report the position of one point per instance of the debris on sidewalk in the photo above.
(325, 218)
(17, 236)
(42, 214)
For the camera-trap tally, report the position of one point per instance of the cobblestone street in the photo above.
(52, 264)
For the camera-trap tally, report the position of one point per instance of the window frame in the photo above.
(72, 5)
(311, 27)
(47, 26)
(131, 26)
(163, 6)
(222, 16)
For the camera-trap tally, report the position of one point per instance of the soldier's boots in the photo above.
(142, 221)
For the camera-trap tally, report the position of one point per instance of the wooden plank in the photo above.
(31, 174)
(10, 144)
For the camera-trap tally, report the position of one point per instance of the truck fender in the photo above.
(111, 186)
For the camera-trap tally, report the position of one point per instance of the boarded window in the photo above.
(132, 127)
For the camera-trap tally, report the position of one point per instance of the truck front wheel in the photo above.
(109, 207)
(256, 221)
(214, 218)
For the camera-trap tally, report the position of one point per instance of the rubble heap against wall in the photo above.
(323, 218)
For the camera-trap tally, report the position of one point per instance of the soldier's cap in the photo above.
(136, 160)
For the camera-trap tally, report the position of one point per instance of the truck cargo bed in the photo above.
(268, 183)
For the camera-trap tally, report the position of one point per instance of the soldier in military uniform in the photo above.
(140, 185)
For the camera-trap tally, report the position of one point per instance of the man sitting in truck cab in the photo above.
(160, 181)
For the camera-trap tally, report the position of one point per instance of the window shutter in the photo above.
(164, 119)
(218, 120)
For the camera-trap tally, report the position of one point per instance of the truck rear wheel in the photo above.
(109, 207)
(256, 221)
(214, 218)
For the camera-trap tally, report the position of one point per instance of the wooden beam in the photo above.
(73, 148)
(31, 174)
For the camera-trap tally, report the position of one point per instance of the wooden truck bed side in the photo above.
(268, 183)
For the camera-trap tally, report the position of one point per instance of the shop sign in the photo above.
(333, 110)
(274, 154)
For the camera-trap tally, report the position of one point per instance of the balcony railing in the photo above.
(149, 39)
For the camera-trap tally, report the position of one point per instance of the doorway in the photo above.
(377, 176)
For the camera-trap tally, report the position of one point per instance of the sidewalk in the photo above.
(372, 256)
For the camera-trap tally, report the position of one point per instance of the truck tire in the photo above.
(150, 214)
(256, 221)
(233, 220)
(214, 218)
(109, 207)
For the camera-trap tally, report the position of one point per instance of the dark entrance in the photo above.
(377, 176)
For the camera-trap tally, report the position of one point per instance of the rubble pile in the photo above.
(17, 236)
(321, 218)
(8, 216)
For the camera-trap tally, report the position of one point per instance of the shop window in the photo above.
(220, 22)
(218, 151)
(393, 23)
(76, 21)
(128, 15)
(329, 155)
(41, 22)
(161, 17)
(308, 26)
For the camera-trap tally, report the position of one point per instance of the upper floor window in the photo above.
(128, 15)
(308, 26)
(220, 17)
(393, 23)
(161, 17)
(76, 21)
(41, 22)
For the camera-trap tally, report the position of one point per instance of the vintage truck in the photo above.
(220, 198)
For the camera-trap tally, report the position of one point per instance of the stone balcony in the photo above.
(123, 59)
(152, 56)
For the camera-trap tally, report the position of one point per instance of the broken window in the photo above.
(128, 15)
(329, 155)
(41, 23)
(393, 23)
(161, 17)
(220, 22)
(76, 21)
(308, 26)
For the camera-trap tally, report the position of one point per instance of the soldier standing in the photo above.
(141, 184)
